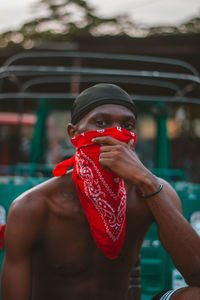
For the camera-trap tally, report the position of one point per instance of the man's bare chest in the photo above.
(66, 242)
(67, 238)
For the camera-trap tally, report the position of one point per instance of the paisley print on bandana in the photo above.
(101, 193)
(97, 190)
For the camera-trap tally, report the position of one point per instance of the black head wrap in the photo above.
(98, 95)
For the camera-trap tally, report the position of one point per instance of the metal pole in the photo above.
(163, 143)
(39, 134)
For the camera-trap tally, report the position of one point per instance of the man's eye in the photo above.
(100, 123)
(128, 126)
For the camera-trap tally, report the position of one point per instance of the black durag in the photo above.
(98, 95)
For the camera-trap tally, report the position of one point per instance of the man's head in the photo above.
(102, 106)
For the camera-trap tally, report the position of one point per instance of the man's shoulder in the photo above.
(36, 200)
(29, 213)
(26, 218)
(31, 203)
(32, 195)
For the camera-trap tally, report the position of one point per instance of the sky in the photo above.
(149, 12)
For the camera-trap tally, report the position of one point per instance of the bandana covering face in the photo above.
(101, 193)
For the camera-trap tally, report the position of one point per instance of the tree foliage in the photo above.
(64, 19)
(190, 26)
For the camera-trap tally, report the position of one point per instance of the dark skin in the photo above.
(50, 253)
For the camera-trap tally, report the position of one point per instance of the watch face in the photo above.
(195, 221)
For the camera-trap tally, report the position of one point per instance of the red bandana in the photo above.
(101, 193)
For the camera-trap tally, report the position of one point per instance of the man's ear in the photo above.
(71, 130)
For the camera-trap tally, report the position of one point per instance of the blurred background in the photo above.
(50, 50)
(155, 28)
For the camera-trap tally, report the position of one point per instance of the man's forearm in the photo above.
(177, 236)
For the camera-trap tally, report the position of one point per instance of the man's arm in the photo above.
(178, 237)
(22, 232)
(16, 279)
(176, 234)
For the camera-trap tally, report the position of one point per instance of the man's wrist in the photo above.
(148, 185)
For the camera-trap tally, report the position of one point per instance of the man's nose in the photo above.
(116, 124)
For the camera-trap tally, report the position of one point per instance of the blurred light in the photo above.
(196, 127)
(173, 128)
(28, 44)
(2, 215)
(195, 221)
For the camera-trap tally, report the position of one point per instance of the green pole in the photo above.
(163, 143)
(39, 133)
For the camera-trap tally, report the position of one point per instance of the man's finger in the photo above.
(107, 148)
(106, 155)
(105, 163)
(106, 140)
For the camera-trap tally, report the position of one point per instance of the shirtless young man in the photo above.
(50, 251)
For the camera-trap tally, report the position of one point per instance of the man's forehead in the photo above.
(111, 109)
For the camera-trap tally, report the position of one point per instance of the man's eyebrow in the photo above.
(100, 115)
(107, 114)
(97, 114)
(130, 117)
